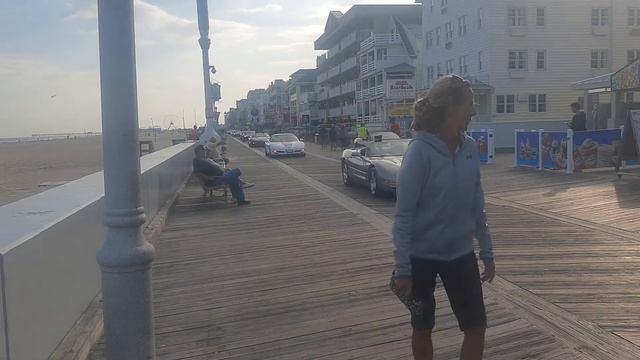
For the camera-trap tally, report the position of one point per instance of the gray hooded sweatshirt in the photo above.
(440, 206)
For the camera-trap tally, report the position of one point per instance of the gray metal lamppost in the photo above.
(125, 257)
(205, 44)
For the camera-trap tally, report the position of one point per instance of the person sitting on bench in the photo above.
(213, 175)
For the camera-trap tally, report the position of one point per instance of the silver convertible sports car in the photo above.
(284, 145)
(375, 165)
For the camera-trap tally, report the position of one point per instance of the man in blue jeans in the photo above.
(214, 175)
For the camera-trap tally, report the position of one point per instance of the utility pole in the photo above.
(125, 256)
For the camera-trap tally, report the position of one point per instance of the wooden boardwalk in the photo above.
(302, 273)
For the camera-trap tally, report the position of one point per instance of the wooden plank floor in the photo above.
(297, 276)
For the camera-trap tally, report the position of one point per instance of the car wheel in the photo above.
(373, 182)
(346, 179)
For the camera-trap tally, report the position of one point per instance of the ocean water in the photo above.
(35, 138)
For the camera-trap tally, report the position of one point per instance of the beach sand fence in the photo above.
(568, 151)
(48, 245)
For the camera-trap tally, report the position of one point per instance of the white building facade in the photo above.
(360, 45)
(523, 55)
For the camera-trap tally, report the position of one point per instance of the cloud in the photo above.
(88, 13)
(228, 33)
(268, 8)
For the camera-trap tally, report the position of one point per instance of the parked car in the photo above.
(375, 165)
(285, 144)
(258, 140)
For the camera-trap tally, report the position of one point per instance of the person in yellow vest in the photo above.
(362, 132)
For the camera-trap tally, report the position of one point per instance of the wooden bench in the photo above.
(220, 190)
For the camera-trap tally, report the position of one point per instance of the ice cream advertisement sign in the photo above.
(596, 149)
(527, 148)
(554, 150)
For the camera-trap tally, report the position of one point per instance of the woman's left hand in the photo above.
(489, 270)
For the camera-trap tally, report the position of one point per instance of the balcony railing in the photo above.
(348, 87)
(333, 72)
(349, 110)
(336, 91)
(322, 77)
(333, 51)
(370, 92)
(348, 40)
(380, 39)
(333, 112)
(371, 120)
(367, 68)
(321, 59)
(349, 64)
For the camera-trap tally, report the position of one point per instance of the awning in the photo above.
(598, 82)
(628, 78)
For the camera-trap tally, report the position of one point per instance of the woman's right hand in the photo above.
(404, 285)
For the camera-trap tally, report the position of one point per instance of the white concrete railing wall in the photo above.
(48, 244)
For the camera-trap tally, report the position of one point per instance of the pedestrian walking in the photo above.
(440, 209)
(394, 126)
(579, 120)
(333, 137)
(323, 137)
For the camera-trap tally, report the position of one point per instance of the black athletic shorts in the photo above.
(461, 279)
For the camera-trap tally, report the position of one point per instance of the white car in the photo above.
(284, 145)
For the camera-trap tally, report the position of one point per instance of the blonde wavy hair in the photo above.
(431, 110)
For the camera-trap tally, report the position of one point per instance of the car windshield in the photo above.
(260, 135)
(388, 148)
(284, 138)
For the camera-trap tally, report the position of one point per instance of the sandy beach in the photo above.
(24, 166)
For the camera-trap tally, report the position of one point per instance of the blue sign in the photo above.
(482, 141)
(554, 150)
(527, 152)
(596, 148)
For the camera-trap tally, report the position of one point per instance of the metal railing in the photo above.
(349, 64)
(367, 68)
(370, 119)
(348, 87)
(370, 92)
(379, 39)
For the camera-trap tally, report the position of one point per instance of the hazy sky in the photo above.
(49, 57)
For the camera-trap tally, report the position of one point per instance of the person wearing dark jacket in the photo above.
(579, 120)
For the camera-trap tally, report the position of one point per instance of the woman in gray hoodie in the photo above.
(440, 209)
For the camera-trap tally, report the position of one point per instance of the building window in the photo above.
(430, 73)
(505, 104)
(429, 39)
(449, 67)
(381, 54)
(480, 61)
(463, 68)
(462, 25)
(541, 60)
(538, 103)
(518, 60)
(438, 33)
(518, 16)
(480, 18)
(599, 59)
(439, 68)
(634, 17)
(431, 5)
(632, 55)
(540, 20)
(444, 3)
(600, 17)
(449, 31)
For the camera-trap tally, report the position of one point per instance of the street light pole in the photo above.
(125, 257)
(205, 44)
